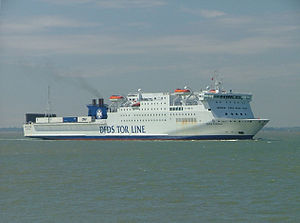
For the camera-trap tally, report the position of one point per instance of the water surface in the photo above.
(150, 181)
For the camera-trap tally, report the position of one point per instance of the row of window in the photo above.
(154, 103)
(144, 120)
(180, 108)
(188, 108)
(245, 108)
(151, 114)
(157, 109)
(236, 113)
(186, 120)
(143, 109)
(158, 114)
(153, 109)
(230, 102)
(176, 108)
(177, 114)
(220, 107)
(232, 97)
(150, 99)
(233, 121)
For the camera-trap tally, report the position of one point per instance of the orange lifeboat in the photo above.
(212, 91)
(182, 91)
(116, 98)
(138, 104)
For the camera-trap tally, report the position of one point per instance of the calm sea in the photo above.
(150, 181)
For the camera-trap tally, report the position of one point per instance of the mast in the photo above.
(216, 82)
(48, 107)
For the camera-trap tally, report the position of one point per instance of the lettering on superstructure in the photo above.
(123, 129)
(107, 129)
(138, 129)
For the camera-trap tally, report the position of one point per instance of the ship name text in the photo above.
(122, 129)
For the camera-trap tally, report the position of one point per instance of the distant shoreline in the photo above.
(282, 129)
(14, 129)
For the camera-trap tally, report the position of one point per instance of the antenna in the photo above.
(216, 81)
(48, 108)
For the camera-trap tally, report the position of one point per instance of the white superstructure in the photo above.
(207, 114)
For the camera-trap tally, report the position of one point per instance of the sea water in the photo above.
(150, 181)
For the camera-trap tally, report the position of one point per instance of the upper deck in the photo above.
(217, 101)
(163, 99)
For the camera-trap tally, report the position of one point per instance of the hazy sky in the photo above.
(87, 48)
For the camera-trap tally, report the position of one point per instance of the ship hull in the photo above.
(196, 137)
(214, 130)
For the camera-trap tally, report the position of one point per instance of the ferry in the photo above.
(184, 114)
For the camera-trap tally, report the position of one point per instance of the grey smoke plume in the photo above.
(78, 82)
(83, 84)
(52, 73)
(73, 78)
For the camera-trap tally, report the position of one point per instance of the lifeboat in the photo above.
(116, 98)
(212, 91)
(182, 91)
(138, 104)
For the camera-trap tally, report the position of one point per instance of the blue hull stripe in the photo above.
(196, 137)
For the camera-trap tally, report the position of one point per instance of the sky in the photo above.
(85, 49)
